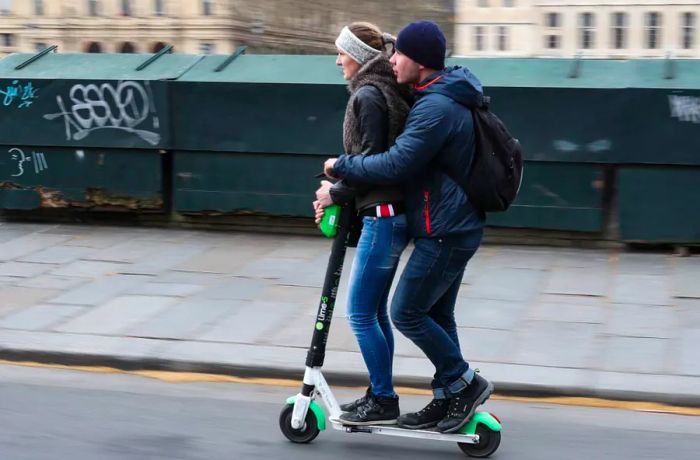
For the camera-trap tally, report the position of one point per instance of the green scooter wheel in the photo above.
(306, 433)
(489, 440)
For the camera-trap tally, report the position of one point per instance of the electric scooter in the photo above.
(302, 418)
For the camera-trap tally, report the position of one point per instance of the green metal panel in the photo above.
(547, 73)
(268, 68)
(495, 72)
(129, 114)
(563, 110)
(638, 111)
(242, 182)
(584, 73)
(89, 100)
(556, 196)
(251, 136)
(659, 123)
(659, 204)
(660, 126)
(11, 198)
(663, 74)
(281, 104)
(242, 117)
(56, 177)
(97, 66)
(564, 124)
(553, 196)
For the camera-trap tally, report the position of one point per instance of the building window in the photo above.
(93, 8)
(553, 20)
(502, 38)
(479, 38)
(40, 46)
(482, 3)
(552, 42)
(38, 7)
(158, 8)
(157, 46)
(8, 40)
(93, 47)
(688, 32)
(5, 7)
(207, 48)
(552, 39)
(126, 8)
(619, 31)
(586, 24)
(206, 8)
(653, 27)
(508, 3)
(127, 47)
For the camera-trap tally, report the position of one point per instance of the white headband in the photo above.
(359, 51)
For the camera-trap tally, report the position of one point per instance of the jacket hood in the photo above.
(454, 82)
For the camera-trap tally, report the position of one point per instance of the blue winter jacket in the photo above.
(439, 134)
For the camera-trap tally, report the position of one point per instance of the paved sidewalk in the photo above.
(534, 319)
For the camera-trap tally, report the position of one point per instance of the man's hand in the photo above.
(328, 168)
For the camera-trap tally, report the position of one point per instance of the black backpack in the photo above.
(496, 171)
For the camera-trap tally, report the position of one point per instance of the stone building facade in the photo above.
(199, 26)
(556, 28)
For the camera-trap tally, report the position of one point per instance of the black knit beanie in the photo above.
(424, 42)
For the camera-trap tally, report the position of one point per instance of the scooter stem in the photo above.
(317, 350)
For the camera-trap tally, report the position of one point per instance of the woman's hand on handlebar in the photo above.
(318, 212)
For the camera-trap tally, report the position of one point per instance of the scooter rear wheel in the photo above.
(306, 433)
(489, 441)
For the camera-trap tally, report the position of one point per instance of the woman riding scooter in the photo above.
(374, 117)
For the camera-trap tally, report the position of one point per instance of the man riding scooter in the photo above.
(447, 229)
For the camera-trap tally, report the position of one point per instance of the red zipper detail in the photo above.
(422, 87)
(426, 198)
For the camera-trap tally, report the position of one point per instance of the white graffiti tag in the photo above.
(123, 106)
(37, 158)
(685, 108)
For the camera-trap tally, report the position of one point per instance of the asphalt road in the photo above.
(63, 414)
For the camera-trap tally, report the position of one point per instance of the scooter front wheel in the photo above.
(306, 433)
(489, 441)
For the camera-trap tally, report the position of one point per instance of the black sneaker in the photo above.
(464, 404)
(351, 406)
(427, 417)
(378, 410)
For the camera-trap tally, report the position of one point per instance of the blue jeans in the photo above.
(378, 251)
(423, 307)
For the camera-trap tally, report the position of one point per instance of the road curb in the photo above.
(125, 363)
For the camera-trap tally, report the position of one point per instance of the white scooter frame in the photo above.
(313, 376)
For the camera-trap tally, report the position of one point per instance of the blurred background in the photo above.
(199, 26)
(546, 28)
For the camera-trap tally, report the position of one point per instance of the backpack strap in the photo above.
(483, 102)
